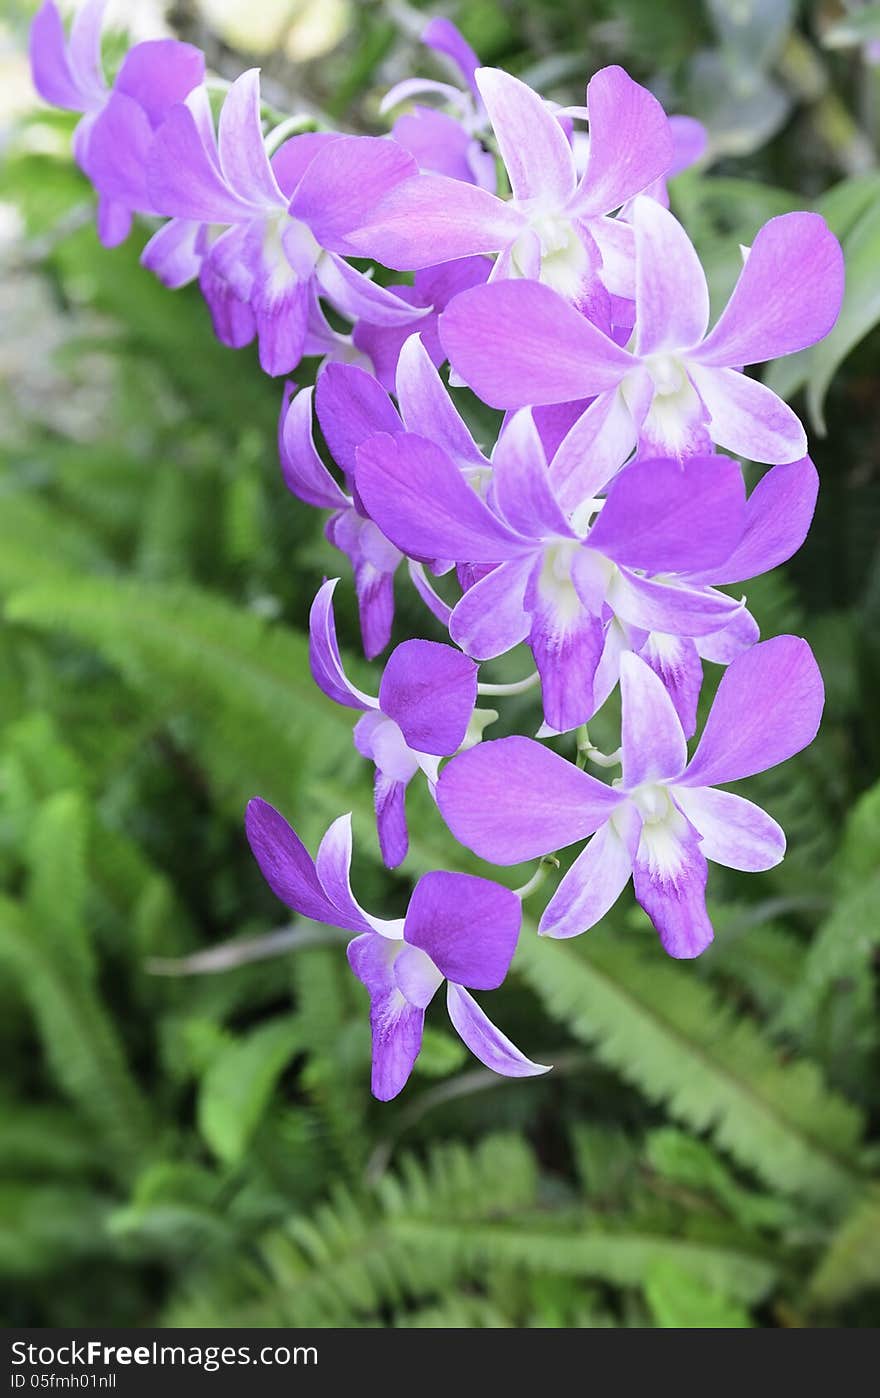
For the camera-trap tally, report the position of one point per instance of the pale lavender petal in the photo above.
(431, 219)
(672, 298)
(733, 831)
(512, 799)
(491, 618)
(442, 35)
(351, 407)
(84, 49)
(654, 746)
(721, 647)
(389, 799)
(595, 880)
(182, 178)
(521, 488)
(788, 295)
(171, 253)
(671, 607)
(430, 690)
(50, 66)
(567, 642)
(467, 925)
(676, 660)
(416, 976)
(343, 185)
(562, 357)
(617, 247)
(435, 604)
(670, 884)
(421, 501)
(768, 706)
(664, 517)
(531, 141)
(630, 142)
(778, 515)
(159, 73)
(747, 418)
(287, 866)
(426, 407)
(485, 1040)
(592, 451)
(324, 658)
(333, 867)
(305, 474)
(356, 295)
(243, 157)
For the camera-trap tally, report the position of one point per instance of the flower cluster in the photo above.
(601, 528)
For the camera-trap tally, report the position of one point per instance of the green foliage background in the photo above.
(200, 1147)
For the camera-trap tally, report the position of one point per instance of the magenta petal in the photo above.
(788, 295)
(777, 517)
(531, 141)
(305, 474)
(672, 297)
(184, 181)
(768, 706)
(436, 141)
(396, 1025)
(663, 516)
(732, 831)
(324, 658)
(674, 897)
(521, 481)
(426, 407)
(654, 746)
(513, 799)
(562, 357)
(50, 67)
(351, 407)
(430, 690)
(159, 73)
(567, 642)
(746, 417)
(432, 218)
(485, 1041)
(630, 142)
(491, 618)
(676, 660)
(289, 869)
(595, 880)
(467, 925)
(117, 153)
(422, 502)
(389, 799)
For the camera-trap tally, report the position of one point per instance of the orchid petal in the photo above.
(467, 925)
(243, 156)
(531, 141)
(630, 142)
(670, 884)
(595, 880)
(747, 418)
(490, 619)
(426, 407)
(732, 831)
(305, 474)
(521, 482)
(485, 1041)
(324, 658)
(654, 746)
(672, 297)
(431, 218)
(430, 690)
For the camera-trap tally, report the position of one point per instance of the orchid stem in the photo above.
(549, 861)
(586, 752)
(291, 126)
(518, 687)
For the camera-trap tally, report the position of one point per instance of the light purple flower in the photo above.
(426, 699)
(556, 228)
(284, 221)
(449, 142)
(551, 576)
(513, 799)
(681, 387)
(457, 928)
(112, 141)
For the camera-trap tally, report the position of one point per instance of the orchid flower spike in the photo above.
(457, 928)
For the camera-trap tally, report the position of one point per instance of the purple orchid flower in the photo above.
(457, 928)
(447, 142)
(556, 228)
(682, 391)
(512, 799)
(426, 700)
(285, 221)
(352, 407)
(112, 140)
(554, 578)
(777, 517)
